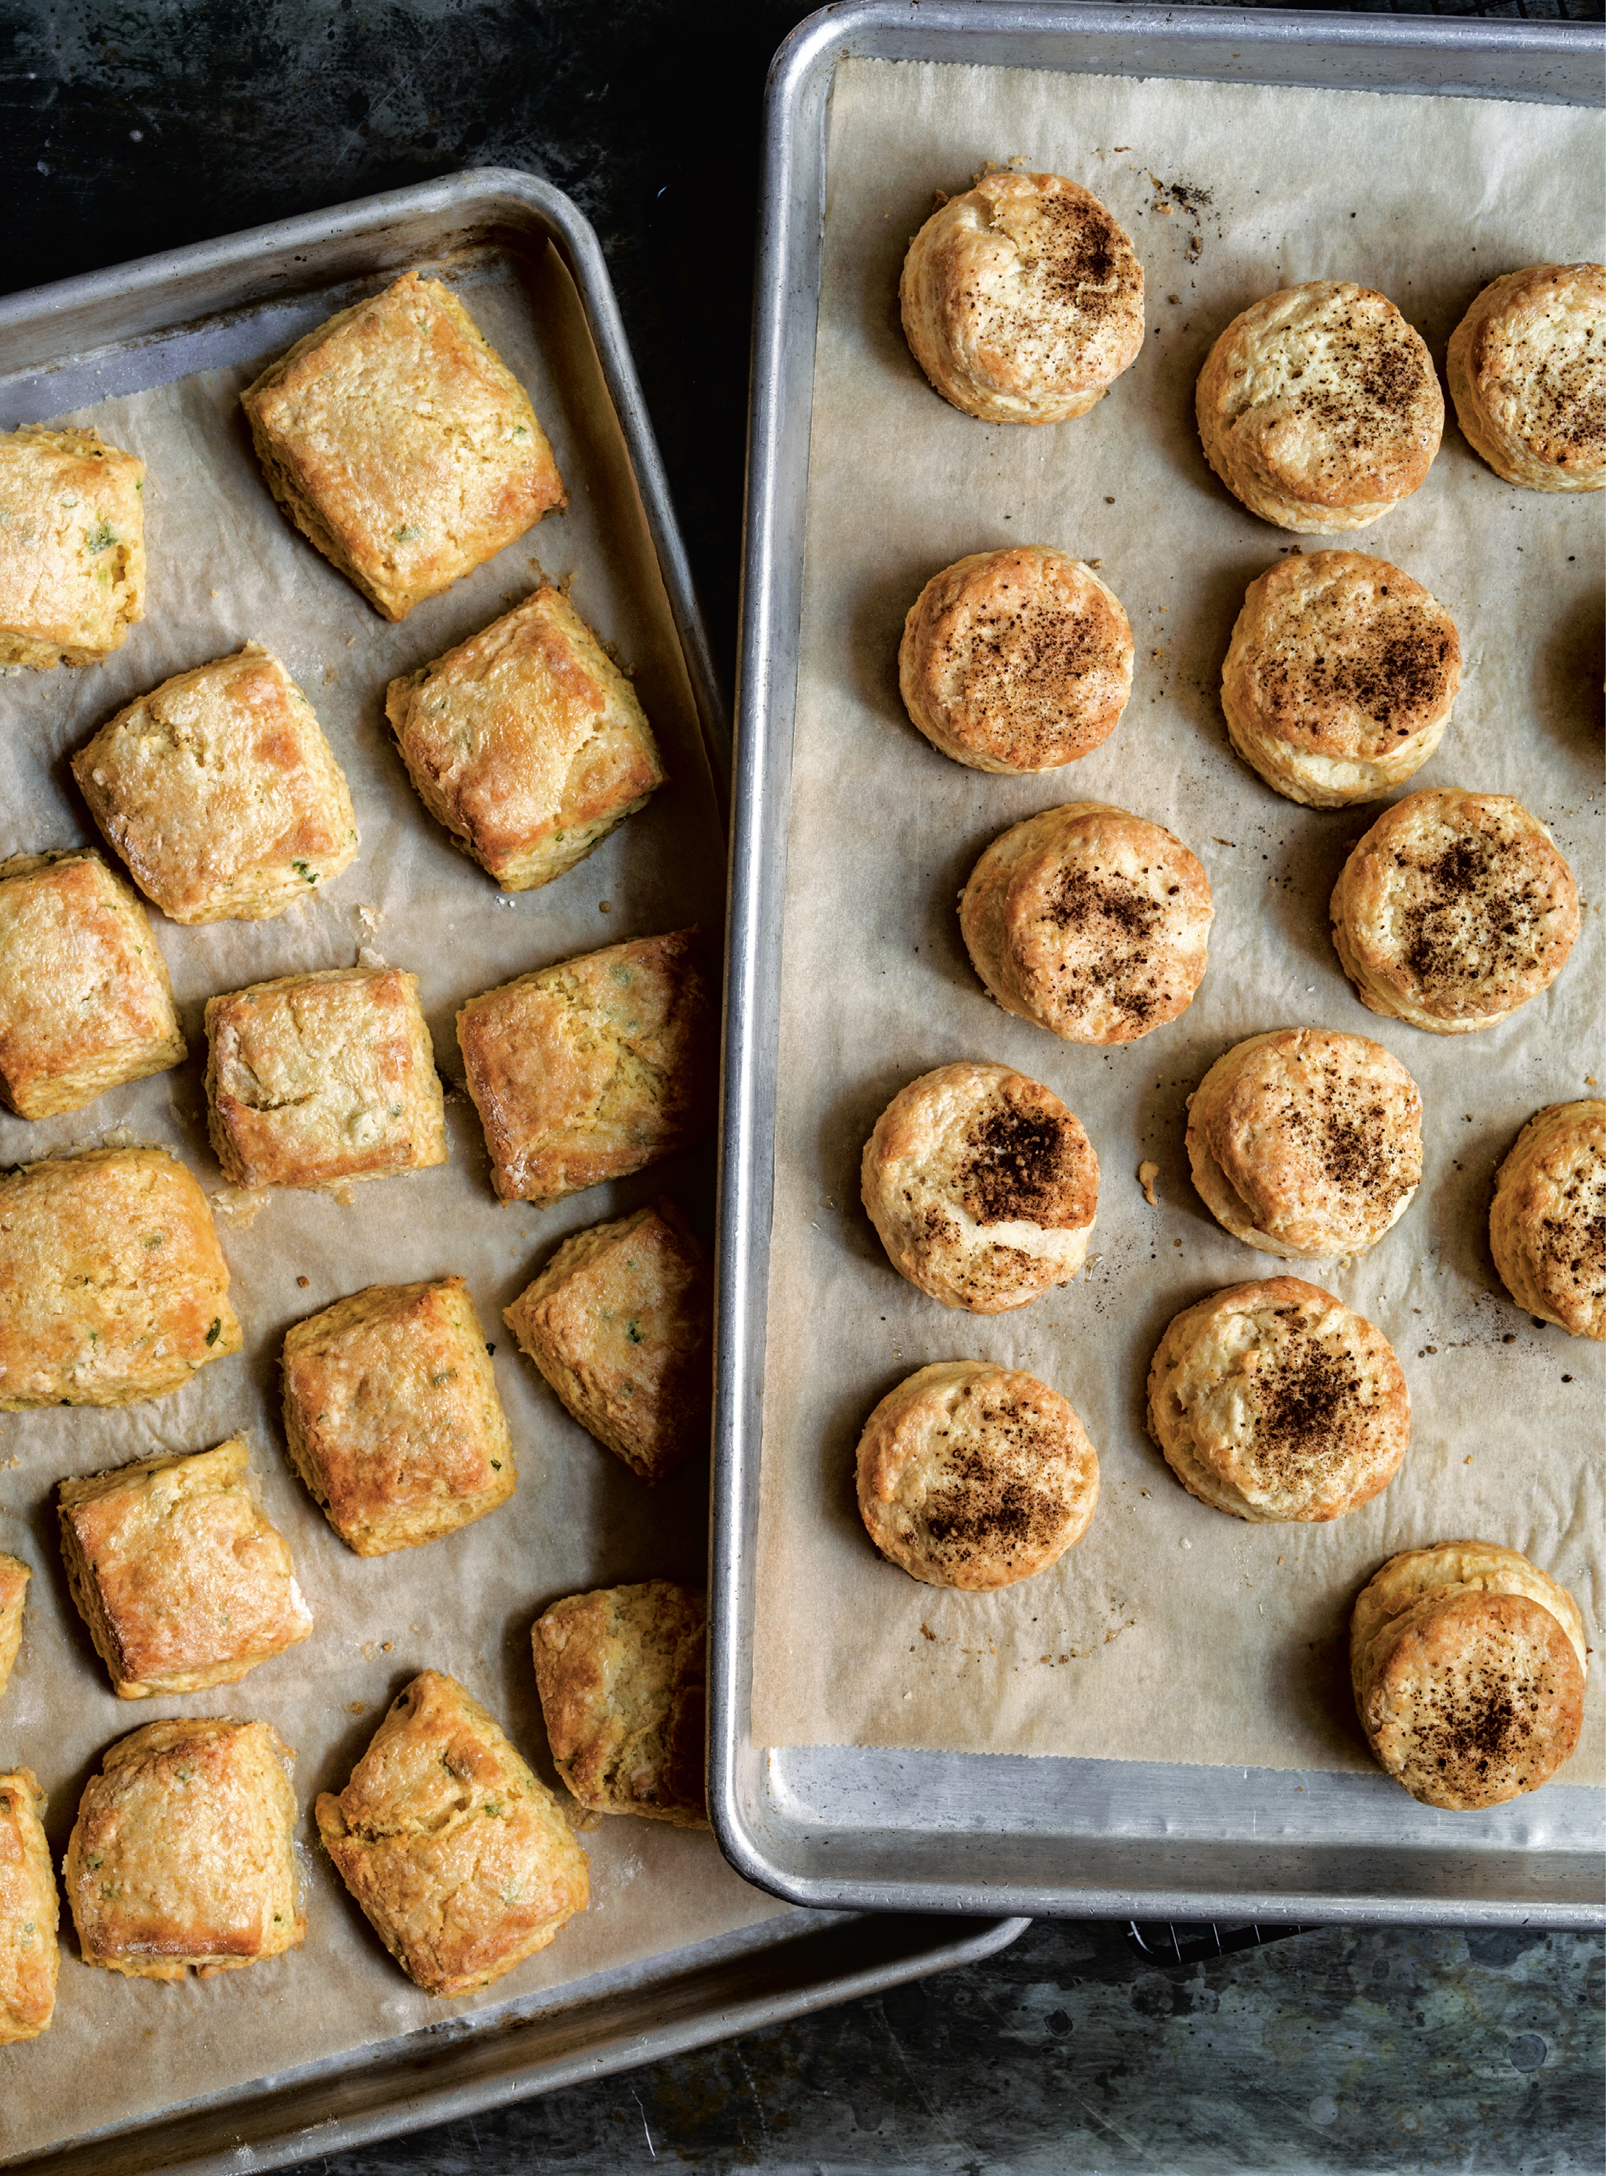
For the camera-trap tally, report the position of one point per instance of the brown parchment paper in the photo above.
(1171, 1631)
(226, 567)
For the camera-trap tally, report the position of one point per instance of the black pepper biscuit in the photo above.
(621, 1674)
(1454, 910)
(1275, 1401)
(1092, 922)
(1319, 408)
(1340, 677)
(72, 547)
(1547, 1222)
(1468, 1665)
(1017, 660)
(974, 1476)
(982, 1186)
(1022, 299)
(1527, 372)
(1305, 1142)
(30, 1911)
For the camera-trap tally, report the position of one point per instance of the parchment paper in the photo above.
(225, 566)
(1171, 1631)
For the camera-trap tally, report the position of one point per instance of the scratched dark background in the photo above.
(126, 129)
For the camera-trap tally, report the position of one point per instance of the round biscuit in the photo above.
(1527, 372)
(1547, 1222)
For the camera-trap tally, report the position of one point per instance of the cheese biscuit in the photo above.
(14, 1577)
(622, 1673)
(30, 1911)
(72, 546)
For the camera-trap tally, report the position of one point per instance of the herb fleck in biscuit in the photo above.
(401, 445)
(1547, 1223)
(30, 1911)
(621, 1674)
(1527, 372)
(85, 1000)
(72, 547)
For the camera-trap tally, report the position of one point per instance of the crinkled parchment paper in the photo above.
(1172, 1631)
(226, 567)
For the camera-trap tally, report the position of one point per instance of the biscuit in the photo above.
(593, 1068)
(72, 547)
(391, 1415)
(401, 445)
(1275, 1401)
(1017, 660)
(1547, 1222)
(85, 1000)
(220, 792)
(1318, 407)
(1467, 1665)
(317, 1080)
(182, 1858)
(112, 1283)
(30, 1911)
(1306, 1143)
(621, 1324)
(972, 1476)
(1527, 371)
(527, 742)
(461, 1859)
(14, 1577)
(982, 1187)
(621, 1674)
(1022, 299)
(1339, 678)
(1089, 921)
(1453, 911)
(179, 1575)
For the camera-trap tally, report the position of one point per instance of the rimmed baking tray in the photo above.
(863, 1824)
(217, 308)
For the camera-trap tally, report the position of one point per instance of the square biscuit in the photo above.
(112, 1284)
(314, 1080)
(220, 792)
(179, 1575)
(182, 1858)
(621, 1324)
(401, 445)
(72, 547)
(459, 1855)
(593, 1068)
(527, 742)
(14, 1577)
(30, 1911)
(622, 1674)
(392, 1418)
(85, 1000)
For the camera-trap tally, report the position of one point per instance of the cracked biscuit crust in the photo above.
(220, 792)
(178, 1573)
(1016, 660)
(391, 1415)
(1340, 677)
(1467, 1664)
(1092, 922)
(182, 1857)
(14, 1577)
(1305, 1142)
(112, 1283)
(30, 1910)
(1275, 1401)
(622, 1674)
(85, 999)
(1547, 1222)
(1527, 373)
(527, 742)
(1319, 408)
(982, 1187)
(401, 445)
(72, 547)
(593, 1068)
(1022, 299)
(459, 1856)
(1454, 910)
(316, 1080)
(973, 1476)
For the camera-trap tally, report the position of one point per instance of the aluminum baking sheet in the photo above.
(873, 1824)
(676, 1948)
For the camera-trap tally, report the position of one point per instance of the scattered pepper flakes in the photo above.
(926, 1632)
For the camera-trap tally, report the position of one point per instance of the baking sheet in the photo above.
(224, 567)
(1171, 1632)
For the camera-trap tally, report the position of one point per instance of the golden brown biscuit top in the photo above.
(621, 1673)
(70, 532)
(1538, 361)
(1551, 1195)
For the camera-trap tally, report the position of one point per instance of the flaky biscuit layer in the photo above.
(1527, 373)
